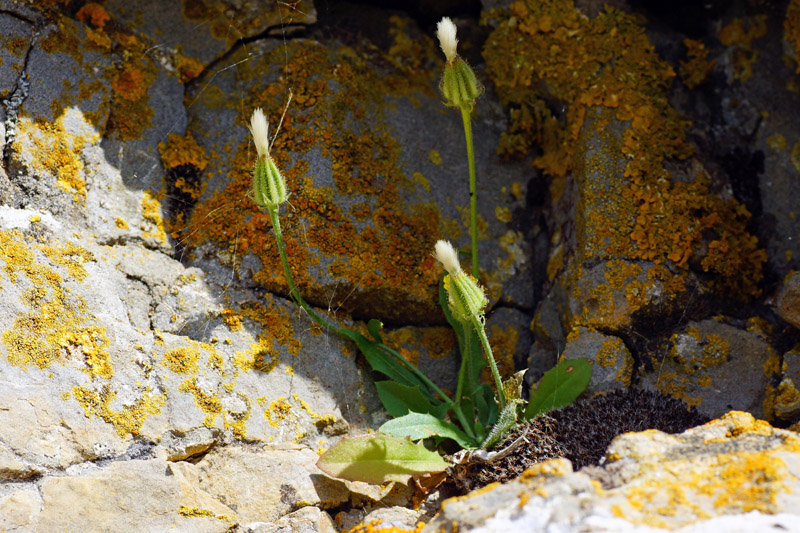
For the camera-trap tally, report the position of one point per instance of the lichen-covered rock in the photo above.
(371, 190)
(734, 467)
(612, 362)
(641, 230)
(715, 367)
(193, 35)
(788, 303)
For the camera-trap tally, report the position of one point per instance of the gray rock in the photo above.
(788, 303)
(611, 359)
(205, 32)
(367, 222)
(714, 367)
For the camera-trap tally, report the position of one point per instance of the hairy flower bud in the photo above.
(459, 85)
(465, 296)
(269, 186)
(446, 33)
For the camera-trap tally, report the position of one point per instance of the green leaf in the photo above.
(379, 459)
(374, 327)
(382, 362)
(418, 426)
(400, 399)
(559, 387)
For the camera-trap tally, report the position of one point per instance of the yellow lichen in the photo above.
(129, 419)
(58, 327)
(182, 360)
(151, 212)
(206, 400)
(791, 30)
(55, 151)
(739, 34)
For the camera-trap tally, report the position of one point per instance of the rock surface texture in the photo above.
(635, 182)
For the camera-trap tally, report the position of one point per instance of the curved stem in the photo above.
(501, 394)
(473, 198)
(294, 294)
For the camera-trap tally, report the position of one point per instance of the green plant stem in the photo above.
(453, 406)
(501, 394)
(473, 198)
(294, 294)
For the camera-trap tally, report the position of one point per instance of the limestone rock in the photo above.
(305, 520)
(732, 468)
(264, 485)
(20, 509)
(149, 493)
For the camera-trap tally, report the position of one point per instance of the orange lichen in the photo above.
(739, 34)
(94, 13)
(391, 255)
(695, 69)
(182, 150)
(606, 70)
(791, 30)
(188, 68)
(130, 113)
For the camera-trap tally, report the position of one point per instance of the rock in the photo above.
(734, 467)
(611, 359)
(264, 485)
(197, 441)
(714, 367)
(305, 520)
(151, 494)
(194, 36)
(789, 300)
(20, 509)
(361, 225)
(787, 396)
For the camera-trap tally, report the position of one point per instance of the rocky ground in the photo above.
(636, 173)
